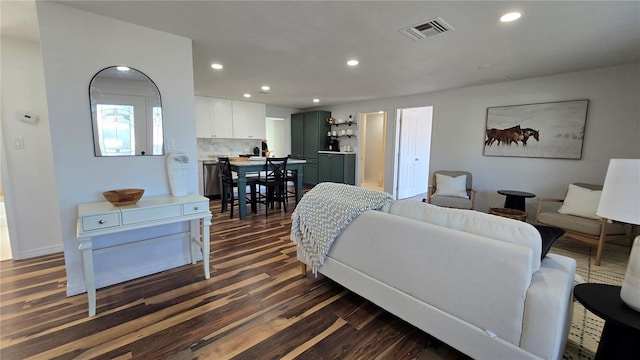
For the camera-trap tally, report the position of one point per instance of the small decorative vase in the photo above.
(177, 170)
(630, 292)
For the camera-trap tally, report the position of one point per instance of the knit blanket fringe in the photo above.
(322, 214)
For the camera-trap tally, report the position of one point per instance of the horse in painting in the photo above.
(528, 132)
(507, 136)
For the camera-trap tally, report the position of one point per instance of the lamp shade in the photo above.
(620, 199)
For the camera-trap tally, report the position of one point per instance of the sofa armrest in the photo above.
(549, 307)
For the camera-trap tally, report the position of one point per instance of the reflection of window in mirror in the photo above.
(116, 133)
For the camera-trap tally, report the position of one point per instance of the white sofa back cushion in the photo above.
(474, 222)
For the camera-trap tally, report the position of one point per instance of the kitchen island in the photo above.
(256, 165)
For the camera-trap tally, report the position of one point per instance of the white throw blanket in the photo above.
(324, 212)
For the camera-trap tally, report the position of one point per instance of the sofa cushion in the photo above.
(451, 201)
(581, 201)
(451, 186)
(490, 226)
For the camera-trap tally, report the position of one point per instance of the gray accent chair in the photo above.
(591, 231)
(452, 201)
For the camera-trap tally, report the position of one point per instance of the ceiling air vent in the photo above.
(426, 29)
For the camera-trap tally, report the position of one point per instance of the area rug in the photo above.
(586, 327)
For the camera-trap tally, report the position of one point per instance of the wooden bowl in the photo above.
(122, 197)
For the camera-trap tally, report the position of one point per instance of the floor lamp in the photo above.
(620, 200)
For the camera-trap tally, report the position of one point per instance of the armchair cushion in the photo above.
(580, 224)
(451, 186)
(581, 202)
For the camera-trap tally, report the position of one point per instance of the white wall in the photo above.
(612, 130)
(71, 57)
(28, 174)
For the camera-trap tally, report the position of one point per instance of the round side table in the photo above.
(621, 332)
(515, 199)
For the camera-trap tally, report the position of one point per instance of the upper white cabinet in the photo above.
(249, 120)
(223, 118)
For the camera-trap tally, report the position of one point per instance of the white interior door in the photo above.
(414, 151)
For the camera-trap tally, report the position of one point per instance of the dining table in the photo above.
(255, 165)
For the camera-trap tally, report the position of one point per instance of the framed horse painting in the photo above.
(544, 130)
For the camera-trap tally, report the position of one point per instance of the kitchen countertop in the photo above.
(335, 152)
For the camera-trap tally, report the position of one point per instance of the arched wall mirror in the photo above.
(126, 113)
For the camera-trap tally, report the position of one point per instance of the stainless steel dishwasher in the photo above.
(211, 179)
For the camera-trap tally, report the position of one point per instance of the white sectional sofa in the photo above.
(473, 280)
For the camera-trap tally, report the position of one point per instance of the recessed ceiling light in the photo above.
(265, 88)
(122, 68)
(316, 100)
(216, 66)
(247, 95)
(510, 17)
(353, 62)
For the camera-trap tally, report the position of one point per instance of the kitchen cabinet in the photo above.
(308, 136)
(337, 167)
(249, 120)
(213, 117)
(224, 118)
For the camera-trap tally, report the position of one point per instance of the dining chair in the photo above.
(292, 181)
(229, 184)
(274, 179)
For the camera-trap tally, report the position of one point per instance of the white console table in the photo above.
(102, 218)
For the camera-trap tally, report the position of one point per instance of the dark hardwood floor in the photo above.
(255, 306)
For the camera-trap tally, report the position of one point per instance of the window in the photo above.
(116, 130)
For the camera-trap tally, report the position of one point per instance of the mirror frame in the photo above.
(151, 91)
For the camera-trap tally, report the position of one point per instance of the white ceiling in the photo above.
(300, 48)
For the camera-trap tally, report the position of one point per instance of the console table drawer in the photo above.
(151, 214)
(195, 207)
(101, 221)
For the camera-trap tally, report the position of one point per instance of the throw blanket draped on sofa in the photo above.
(323, 213)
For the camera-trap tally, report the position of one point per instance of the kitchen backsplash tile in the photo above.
(231, 147)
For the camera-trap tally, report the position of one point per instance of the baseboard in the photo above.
(47, 250)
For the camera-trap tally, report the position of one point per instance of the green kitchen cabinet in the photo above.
(337, 167)
(308, 136)
(297, 135)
